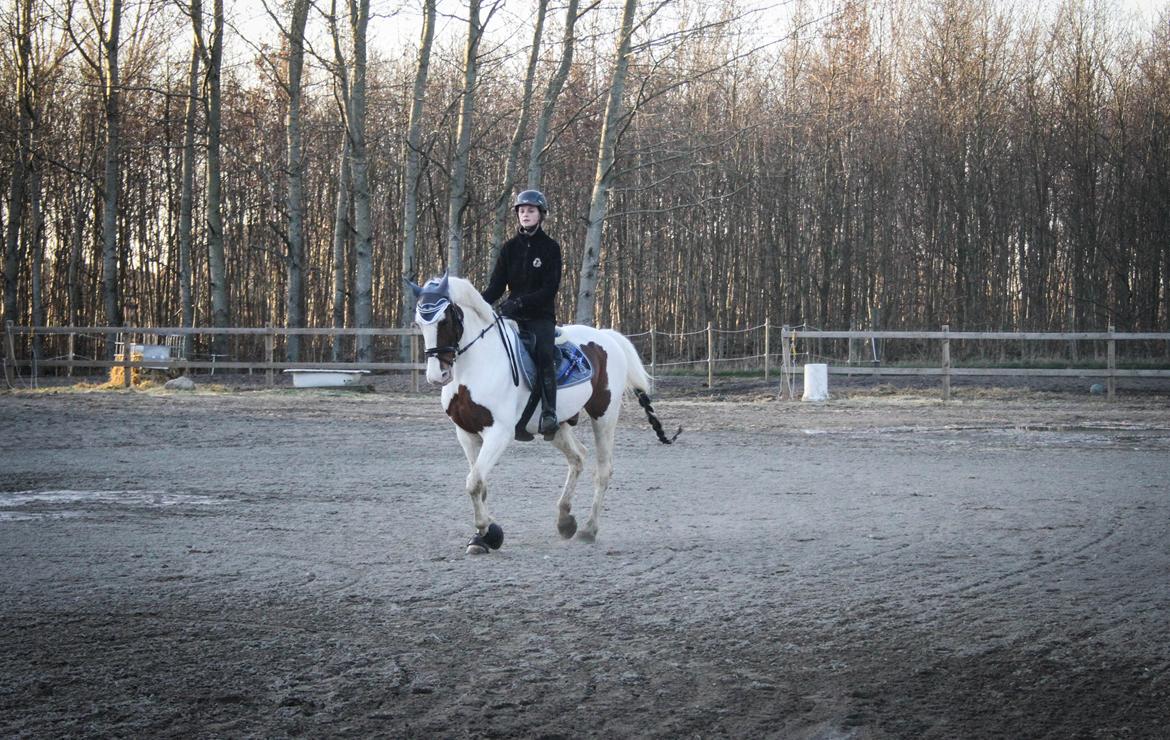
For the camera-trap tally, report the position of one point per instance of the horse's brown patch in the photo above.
(598, 402)
(467, 414)
(449, 332)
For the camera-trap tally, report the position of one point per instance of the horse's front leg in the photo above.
(574, 453)
(483, 452)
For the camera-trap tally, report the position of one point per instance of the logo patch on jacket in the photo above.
(536, 262)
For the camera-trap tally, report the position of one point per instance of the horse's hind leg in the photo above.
(603, 434)
(574, 453)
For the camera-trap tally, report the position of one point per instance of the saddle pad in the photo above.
(573, 366)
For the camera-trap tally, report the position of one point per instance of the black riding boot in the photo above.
(522, 433)
(548, 401)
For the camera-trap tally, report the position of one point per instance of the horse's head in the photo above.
(441, 322)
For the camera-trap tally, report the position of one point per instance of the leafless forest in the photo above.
(887, 164)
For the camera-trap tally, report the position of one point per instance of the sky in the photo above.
(397, 22)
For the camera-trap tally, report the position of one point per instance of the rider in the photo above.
(529, 266)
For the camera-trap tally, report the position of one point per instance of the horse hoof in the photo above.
(477, 545)
(567, 526)
(587, 536)
(494, 536)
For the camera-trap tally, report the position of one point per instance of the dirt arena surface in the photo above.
(290, 563)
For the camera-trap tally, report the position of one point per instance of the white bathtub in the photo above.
(325, 378)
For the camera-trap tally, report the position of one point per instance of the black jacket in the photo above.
(529, 267)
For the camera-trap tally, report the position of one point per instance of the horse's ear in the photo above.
(415, 288)
(444, 287)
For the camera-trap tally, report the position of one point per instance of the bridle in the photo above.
(452, 351)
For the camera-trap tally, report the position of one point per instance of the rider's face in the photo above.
(529, 216)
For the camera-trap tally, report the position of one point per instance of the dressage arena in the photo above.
(290, 563)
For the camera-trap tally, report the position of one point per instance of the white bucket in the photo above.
(816, 382)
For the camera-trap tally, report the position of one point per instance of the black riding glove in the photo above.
(509, 307)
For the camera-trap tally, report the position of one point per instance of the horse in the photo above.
(473, 353)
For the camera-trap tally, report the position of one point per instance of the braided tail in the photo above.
(644, 400)
(638, 381)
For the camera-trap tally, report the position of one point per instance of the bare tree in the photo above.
(22, 161)
(413, 150)
(106, 25)
(602, 178)
(905, 163)
(555, 84)
(458, 199)
(295, 170)
(500, 221)
(110, 278)
(342, 229)
(353, 90)
(217, 264)
(187, 177)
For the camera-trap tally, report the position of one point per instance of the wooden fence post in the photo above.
(653, 353)
(767, 347)
(72, 355)
(9, 354)
(127, 354)
(1111, 358)
(710, 356)
(413, 356)
(269, 353)
(946, 364)
(785, 365)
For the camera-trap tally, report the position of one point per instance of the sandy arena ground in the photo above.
(290, 563)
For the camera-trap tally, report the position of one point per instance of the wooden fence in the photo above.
(789, 364)
(1110, 373)
(126, 336)
(652, 343)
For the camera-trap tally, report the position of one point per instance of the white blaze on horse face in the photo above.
(437, 373)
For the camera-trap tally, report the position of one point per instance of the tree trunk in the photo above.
(359, 14)
(111, 299)
(412, 176)
(187, 191)
(500, 221)
(216, 259)
(458, 201)
(20, 167)
(295, 167)
(36, 248)
(73, 268)
(591, 257)
(555, 85)
(341, 231)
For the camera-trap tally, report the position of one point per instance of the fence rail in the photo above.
(703, 347)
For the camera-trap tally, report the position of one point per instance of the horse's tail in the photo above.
(639, 382)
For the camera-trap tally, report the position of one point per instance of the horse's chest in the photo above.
(468, 415)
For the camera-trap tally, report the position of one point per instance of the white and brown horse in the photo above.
(471, 353)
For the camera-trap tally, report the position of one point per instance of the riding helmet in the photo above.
(531, 198)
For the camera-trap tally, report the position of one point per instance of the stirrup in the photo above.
(548, 425)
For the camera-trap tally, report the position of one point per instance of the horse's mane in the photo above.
(465, 294)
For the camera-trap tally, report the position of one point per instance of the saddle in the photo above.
(573, 367)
